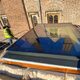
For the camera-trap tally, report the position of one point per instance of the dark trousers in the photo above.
(10, 41)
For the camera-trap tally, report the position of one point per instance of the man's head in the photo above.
(5, 27)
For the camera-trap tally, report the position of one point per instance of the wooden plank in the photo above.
(48, 68)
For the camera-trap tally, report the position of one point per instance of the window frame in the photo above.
(30, 14)
(53, 13)
(34, 22)
(48, 18)
(56, 19)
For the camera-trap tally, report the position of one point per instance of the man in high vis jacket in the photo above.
(8, 34)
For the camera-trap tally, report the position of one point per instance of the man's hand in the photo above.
(15, 38)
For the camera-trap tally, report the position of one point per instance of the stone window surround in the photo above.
(33, 13)
(30, 14)
(54, 12)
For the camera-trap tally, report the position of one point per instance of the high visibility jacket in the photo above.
(7, 34)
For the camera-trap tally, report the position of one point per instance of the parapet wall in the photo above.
(34, 74)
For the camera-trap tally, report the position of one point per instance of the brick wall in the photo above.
(16, 16)
(1, 9)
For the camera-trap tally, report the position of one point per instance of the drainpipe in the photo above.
(26, 13)
(40, 8)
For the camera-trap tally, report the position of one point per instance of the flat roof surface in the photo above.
(20, 49)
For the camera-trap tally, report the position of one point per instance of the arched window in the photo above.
(34, 20)
(56, 19)
(50, 19)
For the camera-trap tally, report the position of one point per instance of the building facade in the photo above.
(24, 14)
(54, 11)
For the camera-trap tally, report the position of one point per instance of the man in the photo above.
(8, 34)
